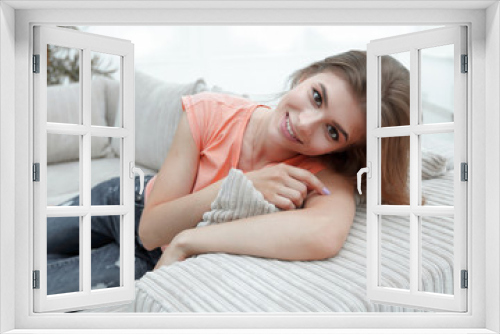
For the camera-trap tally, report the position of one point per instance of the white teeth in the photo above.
(289, 128)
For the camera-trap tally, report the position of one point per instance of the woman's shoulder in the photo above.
(336, 179)
(217, 109)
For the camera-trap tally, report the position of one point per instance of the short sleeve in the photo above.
(312, 164)
(193, 120)
(202, 117)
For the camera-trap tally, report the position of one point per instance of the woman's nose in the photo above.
(308, 121)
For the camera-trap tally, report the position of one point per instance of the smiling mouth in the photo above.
(288, 130)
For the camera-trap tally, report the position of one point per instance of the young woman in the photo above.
(302, 156)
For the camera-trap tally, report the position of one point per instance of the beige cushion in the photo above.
(63, 107)
(158, 110)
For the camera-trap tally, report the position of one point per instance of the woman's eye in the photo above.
(317, 98)
(332, 132)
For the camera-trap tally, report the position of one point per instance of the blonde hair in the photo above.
(395, 111)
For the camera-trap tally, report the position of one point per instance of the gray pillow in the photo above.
(158, 109)
(444, 148)
(433, 164)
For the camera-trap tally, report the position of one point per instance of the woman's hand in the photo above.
(286, 186)
(175, 251)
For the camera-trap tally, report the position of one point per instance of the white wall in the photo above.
(7, 168)
(257, 60)
(242, 59)
(492, 186)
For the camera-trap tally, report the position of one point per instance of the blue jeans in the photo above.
(63, 263)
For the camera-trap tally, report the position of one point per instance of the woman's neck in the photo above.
(258, 151)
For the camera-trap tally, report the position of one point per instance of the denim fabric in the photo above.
(63, 262)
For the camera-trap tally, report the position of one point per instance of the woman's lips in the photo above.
(287, 130)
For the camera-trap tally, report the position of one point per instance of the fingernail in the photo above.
(326, 191)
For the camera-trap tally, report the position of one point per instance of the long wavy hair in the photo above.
(395, 111)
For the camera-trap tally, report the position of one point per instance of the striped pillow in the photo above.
(433, 164)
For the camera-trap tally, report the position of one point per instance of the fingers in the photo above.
(296, 198)
(308, 178)
(283, 203)
(299, 186)
(286, 186)
(294, 190)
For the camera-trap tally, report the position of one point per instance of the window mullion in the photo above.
(391, 210)
(397, 210)
(414, 167)
(101, 131)
(422, 129)
(66, 129)
(80, 210)
(80, 130)
(429, 129)
(85, 180)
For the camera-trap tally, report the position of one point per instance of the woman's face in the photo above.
(319, 116)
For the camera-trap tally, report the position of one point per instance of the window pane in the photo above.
(63, 85)
(105, 263)
(394, 252)
(437, 84)
(106, 169)
(63, 170)
(63, 255)
(436, 154)
(394, 170)
(106, 76)
(436, 251)
(387, 117)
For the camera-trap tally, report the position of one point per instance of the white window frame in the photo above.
(85, 43)
(19, 17)
(413, 44)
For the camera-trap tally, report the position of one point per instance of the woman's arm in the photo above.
(317, 231)
(170, 207)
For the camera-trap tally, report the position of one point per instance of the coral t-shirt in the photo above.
(218, 122)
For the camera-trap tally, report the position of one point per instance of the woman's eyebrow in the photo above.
(337, 125)
(341, 129)
(325, 97)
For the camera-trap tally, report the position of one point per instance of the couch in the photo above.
(236, 283)
(158, 110)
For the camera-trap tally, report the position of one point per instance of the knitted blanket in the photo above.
(237, 283)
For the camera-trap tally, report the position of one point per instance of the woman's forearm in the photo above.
(161, 223)
(286, 235)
